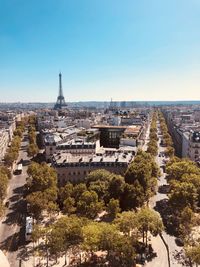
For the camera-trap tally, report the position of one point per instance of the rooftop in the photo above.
(120, 157)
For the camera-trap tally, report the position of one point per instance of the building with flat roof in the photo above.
(71, 168)
(110, 136)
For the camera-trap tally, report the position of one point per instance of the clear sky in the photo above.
(124, 49)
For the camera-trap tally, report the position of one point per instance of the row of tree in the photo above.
(100, 191)
(42, 189)
(166, 137)
(184, 199)
(153, 143)
(13, 151)
(5, 175)
(118, 241)
(32, 147)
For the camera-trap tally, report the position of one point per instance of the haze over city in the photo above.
(99, 133)
(127, 50)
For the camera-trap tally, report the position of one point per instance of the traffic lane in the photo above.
(12, 225)
(161, 260)
(174, 250)
(14, 213)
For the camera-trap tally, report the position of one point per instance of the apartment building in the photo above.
(71, 168)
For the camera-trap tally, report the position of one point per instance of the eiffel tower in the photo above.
(60, 103)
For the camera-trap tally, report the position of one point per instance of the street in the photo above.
(162, 260)
(12, 224)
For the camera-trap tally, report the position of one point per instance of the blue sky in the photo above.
(124, 49)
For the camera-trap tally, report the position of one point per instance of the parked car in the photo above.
(179, 242)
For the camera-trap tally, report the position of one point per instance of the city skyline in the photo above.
(130, 51)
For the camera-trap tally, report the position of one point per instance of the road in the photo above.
(161, 260)
(12, 225)
(146, 140)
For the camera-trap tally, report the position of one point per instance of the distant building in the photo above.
(194, 146)
(4, 141)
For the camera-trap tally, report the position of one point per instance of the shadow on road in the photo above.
(169, 221)
(10, 243)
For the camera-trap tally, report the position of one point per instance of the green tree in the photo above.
(177, 169)
(78, 190)
(132, 197)
(3, 185)
(88, 204)
(186, 222)
(116, 186)
(182, 195)
(69, 205)
(37, 203)
(91, 237)
(148, 221)
(120, 249)
(32, 150)
(10, 158)
(193, 252)
(98, 175)
(42, 177)
(126, 223)
(113, 207)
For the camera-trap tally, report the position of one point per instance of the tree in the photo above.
(6, 171)
(140, 173)
(183, 195)
(148, 221)
(10, 158)
(56, 241)
(52, 208)
(132, 197)
(116, 186)
(126, 223)
(139, 170)
(32, 150)
(186, 222)
(37, 203)
(195, 180)
(42, 177)
(88, 204)
(98, 175)
(18, 132)
(42, 189)
(69, 205)
(120, 249)
(91, 237)
(65, 192)
(3, 185)
(71, 229)
(169, 152)
(113, 207)
(193, 252)
(78, 190)
(177, 169)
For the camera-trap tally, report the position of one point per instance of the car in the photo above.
(26, 162)
(179, 242)
(164, 189)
